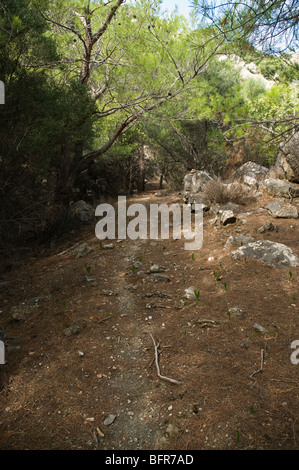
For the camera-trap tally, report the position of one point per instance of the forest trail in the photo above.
(58, 389)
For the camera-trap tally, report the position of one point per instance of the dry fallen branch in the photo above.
(104, 319)
(162, 377)
(262, 363)
(69, 249)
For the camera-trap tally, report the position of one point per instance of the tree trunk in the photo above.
(141, 168)
(161, 181)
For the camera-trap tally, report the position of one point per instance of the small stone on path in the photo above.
(109, 420)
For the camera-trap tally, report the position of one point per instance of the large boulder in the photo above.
(270, 253)
(194, 183)
(82, 212)
(282, 210)
(287, 163)
(280, 188)
(250, 173)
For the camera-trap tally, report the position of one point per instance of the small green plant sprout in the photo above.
(238, 437)
(64, 305)
(251, 410)
(197, 295)
(140, 259)
(217, 276)
(88, 269)
(225, 287)
(133, 269)
(291, 275)
(101, 245)
(192, 256)
(267, 275)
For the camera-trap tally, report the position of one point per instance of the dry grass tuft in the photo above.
(217, 192)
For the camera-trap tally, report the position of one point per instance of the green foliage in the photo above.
(46, 117)
(253, 89)
(197, 294)
(217, 276)
(269, 26)
(19, 20)
(41, 121)
(272, 67)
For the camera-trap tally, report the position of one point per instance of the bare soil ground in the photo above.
(56, 391)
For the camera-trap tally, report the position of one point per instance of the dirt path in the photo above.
(57, 391)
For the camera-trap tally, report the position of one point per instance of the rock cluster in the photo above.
(280, 182)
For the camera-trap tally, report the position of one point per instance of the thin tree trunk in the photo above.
(161, 181)
(141, 168)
